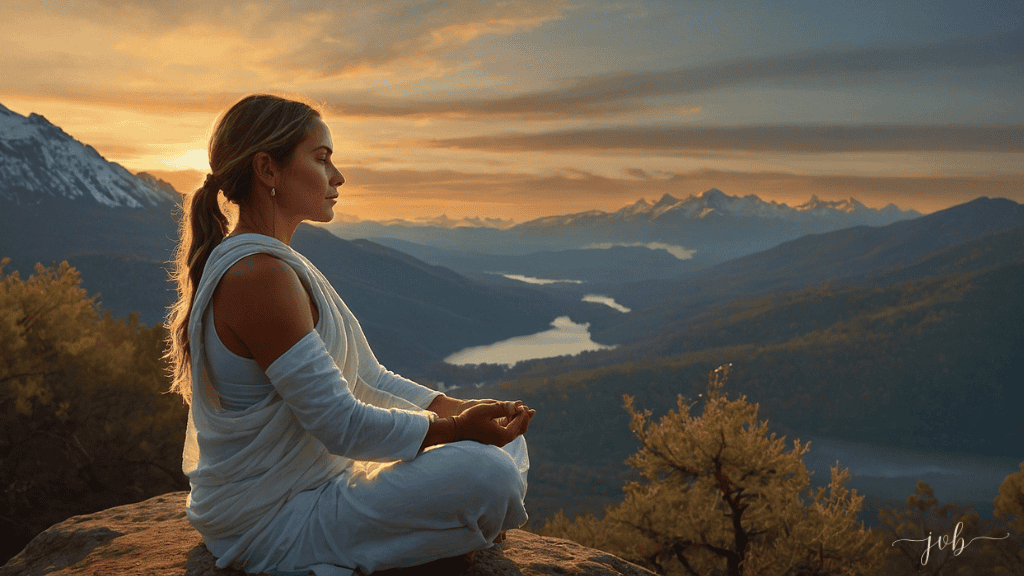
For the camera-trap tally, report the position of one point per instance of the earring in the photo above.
(273, 192)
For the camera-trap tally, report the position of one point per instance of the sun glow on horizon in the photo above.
(194, 159)
(528, 109)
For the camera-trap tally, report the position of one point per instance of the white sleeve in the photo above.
(311, 384)
(418, 394)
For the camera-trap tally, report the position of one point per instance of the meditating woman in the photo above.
(303, 452)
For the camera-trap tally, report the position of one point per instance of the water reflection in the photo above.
(606, 301)
(533, 280)
(565, 338)
(892, 473)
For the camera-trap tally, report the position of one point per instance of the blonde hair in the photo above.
(256, 123)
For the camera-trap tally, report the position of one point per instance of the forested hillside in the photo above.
(931, 363)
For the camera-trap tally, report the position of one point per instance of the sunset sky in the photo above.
(522, 109)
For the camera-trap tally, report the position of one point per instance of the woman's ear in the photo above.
(264, 168)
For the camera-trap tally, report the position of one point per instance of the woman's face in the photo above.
(309, 182)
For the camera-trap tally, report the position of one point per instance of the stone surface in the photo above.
(155, 538)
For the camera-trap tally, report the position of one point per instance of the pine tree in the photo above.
(720, 495)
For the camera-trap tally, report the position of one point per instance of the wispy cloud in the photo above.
(631, 92)
(577, 190)
(813, 139)
(187, 55)
(412, 34)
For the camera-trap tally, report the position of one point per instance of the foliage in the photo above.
(930, 539)
(720, 495)
(1010, 508)
(918, 532)
(86, 424)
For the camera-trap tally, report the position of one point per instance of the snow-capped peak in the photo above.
(445, 221)
(38, 160)
(816, 205)
(718, 203)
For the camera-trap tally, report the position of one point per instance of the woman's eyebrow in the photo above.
(325, 147)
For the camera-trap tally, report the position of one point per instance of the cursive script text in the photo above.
(957, 543)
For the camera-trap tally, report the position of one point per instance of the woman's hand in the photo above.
(445, 406)
(493, 422)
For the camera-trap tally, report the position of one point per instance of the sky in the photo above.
(522, 109)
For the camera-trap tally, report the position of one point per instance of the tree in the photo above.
(85, 423)
(720, 495)
(922, 536)
(1009, 507)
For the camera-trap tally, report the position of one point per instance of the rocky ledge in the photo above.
(154, 538)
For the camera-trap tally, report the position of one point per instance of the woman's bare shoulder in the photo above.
(263, 304)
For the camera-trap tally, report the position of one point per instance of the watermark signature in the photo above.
(957, 543)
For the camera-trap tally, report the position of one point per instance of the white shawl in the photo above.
(244, 465)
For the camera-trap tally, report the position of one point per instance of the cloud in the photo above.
(414, 37)
(631, 92)
(576, 191)
(192, 55)
(792, 138)
(849, 64)
(187, 55)
(679, 252)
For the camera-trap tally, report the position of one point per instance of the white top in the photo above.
(243, 465)
(239, 381)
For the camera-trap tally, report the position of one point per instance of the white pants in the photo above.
(452, 499)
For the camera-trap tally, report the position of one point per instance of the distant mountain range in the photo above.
(715, 203)
(59, 199)
(841, 256)
(697, 231)
(442, 221)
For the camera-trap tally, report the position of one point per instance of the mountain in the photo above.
(864, 254)
(59, 199)
(715, 203)
(711, 228)
(39, 161)
(443, 221)
(585, 268)
(919, 355)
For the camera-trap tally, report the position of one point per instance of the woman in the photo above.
(302, 451)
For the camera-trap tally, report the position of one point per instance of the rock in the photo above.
(155, 538)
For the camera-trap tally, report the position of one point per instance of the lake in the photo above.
(565, 337)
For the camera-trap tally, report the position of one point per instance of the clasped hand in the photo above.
(492, 421)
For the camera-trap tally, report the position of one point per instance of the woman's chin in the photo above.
(325, 217)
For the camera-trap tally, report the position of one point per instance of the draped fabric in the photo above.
(244, 466)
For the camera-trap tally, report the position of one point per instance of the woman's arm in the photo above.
(261, 308)
(261, 304)
(264, 312)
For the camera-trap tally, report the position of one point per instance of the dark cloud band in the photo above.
(798, 139)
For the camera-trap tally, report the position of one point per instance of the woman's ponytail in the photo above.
(207, 227)
(201, 228)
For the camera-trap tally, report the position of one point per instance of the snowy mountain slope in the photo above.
(39, 161)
